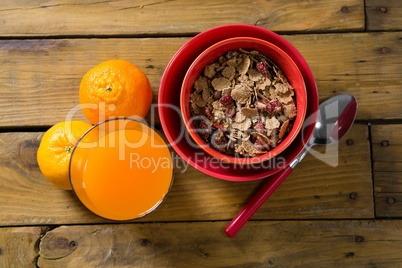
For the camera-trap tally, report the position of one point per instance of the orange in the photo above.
(115, 88)
(55, 149)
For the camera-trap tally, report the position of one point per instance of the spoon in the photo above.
(335, 118)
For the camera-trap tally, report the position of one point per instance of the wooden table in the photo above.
(321, 216)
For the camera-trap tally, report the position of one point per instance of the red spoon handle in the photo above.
(258, 199)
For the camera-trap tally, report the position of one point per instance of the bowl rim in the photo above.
(186, 116)
(104, 122)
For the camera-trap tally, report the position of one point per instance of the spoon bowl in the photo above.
(335, 117)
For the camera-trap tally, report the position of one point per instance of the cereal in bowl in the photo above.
(242, 105)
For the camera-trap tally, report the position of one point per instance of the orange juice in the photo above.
(123, 175)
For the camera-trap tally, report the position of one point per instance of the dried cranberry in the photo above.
(261, 145)
(276, 107)
(264, 105)
(269, 108)
(273, 107)
(203, 124)
(230, 112)
(259, 126)
(219, 141)
(263, 68)
(208, 112)
(261, 140)
(218, 126)
(258, 145)
(226, 100)
(204, 129)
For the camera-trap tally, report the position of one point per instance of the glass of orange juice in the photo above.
(121, 169)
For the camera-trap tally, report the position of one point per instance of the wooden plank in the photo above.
(387, 167)
(313, 190)
(27, 198)
(114, 17)
(388, 205)
(365, 65)
(384, 15)
(49, 78)
(204, 244)
(387, 144)
(18, 246)
(44, 89)
(388, 181)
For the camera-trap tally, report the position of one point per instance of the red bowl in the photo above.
(173, 126)
(279, 57)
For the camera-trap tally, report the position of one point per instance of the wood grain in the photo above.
(18, 246)
(204, 244)
(388, 205)
(387, 144)
(314, 190)
(40, 79)
(67, 17)
(364, 65)
(44, 89)
(387, 167)
(384, 15)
